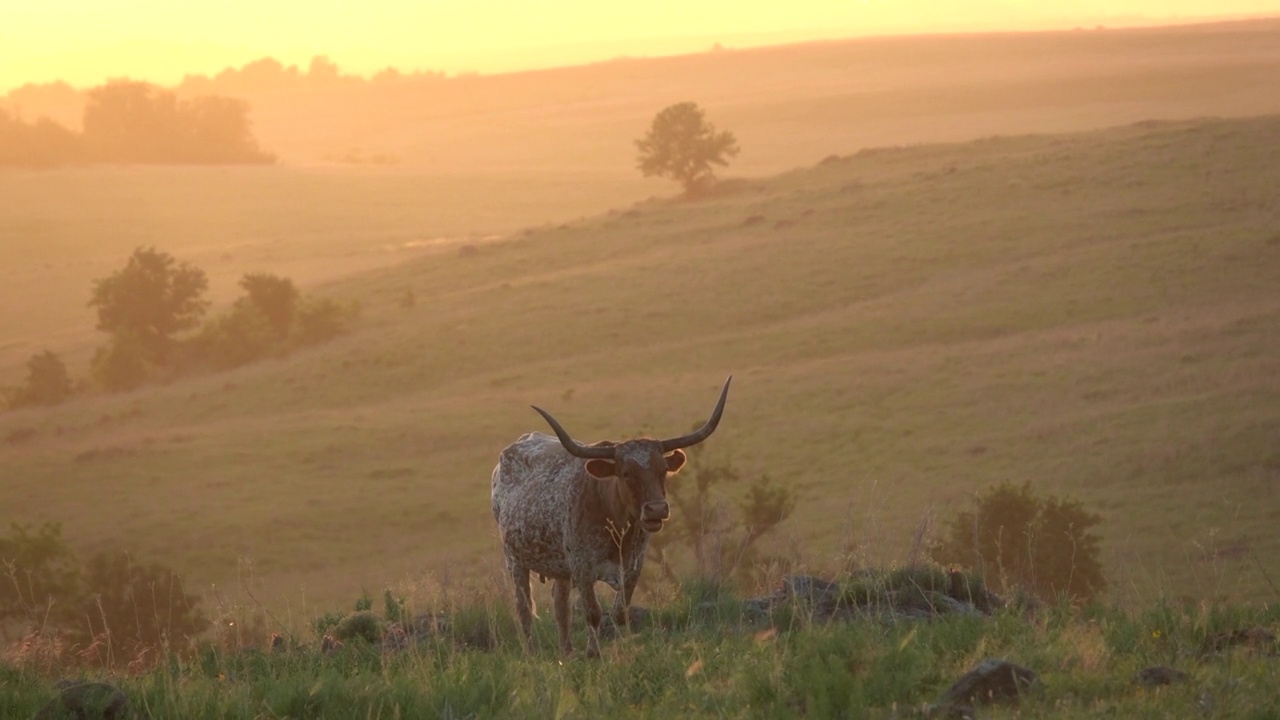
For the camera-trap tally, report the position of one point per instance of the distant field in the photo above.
(1093, 313)
(485, 155)
(61, 230)
(788, 105)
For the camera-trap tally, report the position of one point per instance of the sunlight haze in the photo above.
(86, 43)
(286, 286)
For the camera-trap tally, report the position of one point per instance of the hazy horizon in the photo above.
(86, 45)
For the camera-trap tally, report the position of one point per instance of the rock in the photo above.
(756, 609)
(329, 644)
(395, 638)
(637, 619)
(1255, 638)
(963, 589)
(947, 605)
(949, 711)
(86, 701)
(993, 680)
(427, 625)
(1159, 675)
(924, 605)
(814, 591)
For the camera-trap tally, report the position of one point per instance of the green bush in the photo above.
(40, 576)
(137, 606)
(362, 624)
(722, 543)
(1017, 539)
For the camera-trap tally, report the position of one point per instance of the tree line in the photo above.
(153, 311)
(61, 102)
(136, 122)
(268, 75)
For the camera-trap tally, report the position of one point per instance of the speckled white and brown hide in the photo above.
(557, 521)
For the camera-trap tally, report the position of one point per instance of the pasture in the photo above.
(692, 663)
(1092, 313)
(472, 157)
(916, 317)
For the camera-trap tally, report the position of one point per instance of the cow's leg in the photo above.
(524, 601)
(622, 599)
(590, 608)
(560, 595)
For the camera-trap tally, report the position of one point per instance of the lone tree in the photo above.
(683, 146)
(149, 301)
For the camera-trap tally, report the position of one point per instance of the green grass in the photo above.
(690, 666)
(1092, 313)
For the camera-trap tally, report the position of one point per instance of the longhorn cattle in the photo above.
(581, 514)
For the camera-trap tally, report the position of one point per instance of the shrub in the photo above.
(136, 606)
(40, 576)
(1015, 538)
(319, 320)
(274, 297)
(121, 364)
(271, 317)
(48, 382)
(721, 543)
(362, 624)
(234, 338)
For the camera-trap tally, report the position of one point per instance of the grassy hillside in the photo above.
(60, 230)
(1092, 313)
(473, 156)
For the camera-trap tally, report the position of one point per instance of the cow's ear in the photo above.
(675, 461)
(601, 469)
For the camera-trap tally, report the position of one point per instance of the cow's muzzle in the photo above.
(654, 514)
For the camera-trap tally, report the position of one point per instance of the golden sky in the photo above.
(87, 41)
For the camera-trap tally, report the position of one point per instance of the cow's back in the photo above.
(532, 491)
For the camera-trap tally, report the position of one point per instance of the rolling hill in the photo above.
(1094, 313)
(371, 171)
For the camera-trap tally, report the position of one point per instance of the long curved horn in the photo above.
(573, 446)
(703, 432)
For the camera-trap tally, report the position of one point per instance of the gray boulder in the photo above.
(86, 701)
(1159, 675)
(992, 681)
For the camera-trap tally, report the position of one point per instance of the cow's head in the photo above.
(642, 465)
